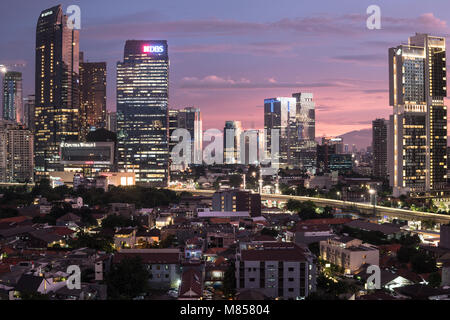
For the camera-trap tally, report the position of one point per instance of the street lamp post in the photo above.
(373, 199)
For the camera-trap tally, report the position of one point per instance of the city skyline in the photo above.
(308, 50)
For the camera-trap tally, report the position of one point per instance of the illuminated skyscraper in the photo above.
(379, 147)
(142, 111)
(16, 153)
(189, 118)
(12, 97)
(232, 142)
(28, 112)
(56, 88)
(417, 140)
(280, 114)
(111, 121)
(304, 154)
(92, 96)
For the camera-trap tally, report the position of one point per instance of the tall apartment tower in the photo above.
(56, 88)
(305, 143)
(418, 126)
(379, 147)
(111, 121)
(280, 114)
(28, 112)
(12, 97)
(232, 142)
(142, 111)
(92, 96)
(190, 118)
(16, 153)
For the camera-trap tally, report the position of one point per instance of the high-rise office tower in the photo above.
(189, 118)
(56, 88)
(417, 138)
(111, 121)
(305, 143)
(252, 144)
(379, 147)
(280, 114)
(336, 141)
(92, 96)
(173, 125)
(28, 112)
(12, 97)
(232, 142)
(142, 111)
(16, 153)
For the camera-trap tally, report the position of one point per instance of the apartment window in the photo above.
(291, 289)
(167, 276)
(290, 269)
(290, 279)
(252, 279)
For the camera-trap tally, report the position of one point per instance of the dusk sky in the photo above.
(226, 57)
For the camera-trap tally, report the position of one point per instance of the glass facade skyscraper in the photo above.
(304, 154)
(56, 88)
(417, 141)
(12, 97)
(93, 96)
(142, 111)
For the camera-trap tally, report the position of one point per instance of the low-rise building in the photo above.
(349, 253)
(162, 264)
(283, 270)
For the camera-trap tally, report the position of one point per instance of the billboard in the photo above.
(87, 153)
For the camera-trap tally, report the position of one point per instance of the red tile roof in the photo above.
(62, 231)
(215, 250)
(191, 284)
(18, 219)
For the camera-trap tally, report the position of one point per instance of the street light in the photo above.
(373, 199)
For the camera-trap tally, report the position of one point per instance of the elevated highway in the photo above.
(363, 208)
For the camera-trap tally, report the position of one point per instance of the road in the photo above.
(363, 207)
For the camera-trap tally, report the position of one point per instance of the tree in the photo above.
(269, 232)
(229, 281)
(168, 242)
(97, 242)
(405, 253)
(33, 296)
(235, 181)
(434, 279)
(422, 262)
(127, 279)
(8, 213)
(428, 224)
(113, 221)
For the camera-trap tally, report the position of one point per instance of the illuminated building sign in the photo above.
(153, 49)
(87, 153)
(46, 14)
